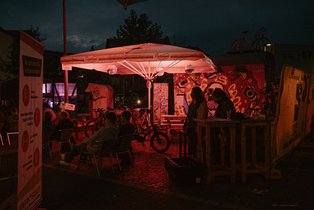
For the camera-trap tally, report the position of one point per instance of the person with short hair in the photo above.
(94, 144)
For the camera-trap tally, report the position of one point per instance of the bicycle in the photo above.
(146, 129)
(261, 42)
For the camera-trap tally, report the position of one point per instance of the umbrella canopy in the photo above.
(148, 60)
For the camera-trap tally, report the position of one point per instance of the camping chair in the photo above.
(64, 138)
(97, 158)
(8, 156)
(1, 138)
(14, 136)
(123, 146)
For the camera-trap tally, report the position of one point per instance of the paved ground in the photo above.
(146, 186)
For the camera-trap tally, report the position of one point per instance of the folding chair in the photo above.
(1, 138)
(8, 156)
(97, 158)
(123, 146)
(11, 135)
(64, 138)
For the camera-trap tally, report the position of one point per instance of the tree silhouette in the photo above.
(35, 33)
(137, 29)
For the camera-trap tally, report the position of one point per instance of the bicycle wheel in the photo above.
(160, 142)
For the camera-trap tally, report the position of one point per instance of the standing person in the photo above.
(225, 107)
(197, 110)
(106, 135)
(225, 110)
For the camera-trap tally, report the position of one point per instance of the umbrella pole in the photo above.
(149, 87)
(149, 96)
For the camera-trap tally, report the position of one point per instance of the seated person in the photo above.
(105, 135)
(64, 123)
(126, 129)
(47, 109)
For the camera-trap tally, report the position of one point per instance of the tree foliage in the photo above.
(35, 33)
(138, 29)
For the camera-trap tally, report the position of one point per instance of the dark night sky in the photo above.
(207, 24)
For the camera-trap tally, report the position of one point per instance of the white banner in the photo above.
(30, 123)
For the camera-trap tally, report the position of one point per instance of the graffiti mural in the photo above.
(245, 84)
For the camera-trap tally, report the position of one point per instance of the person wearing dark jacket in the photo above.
(197, 110)
(225, 107)
(106, 135)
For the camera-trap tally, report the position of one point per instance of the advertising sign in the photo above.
(30, 123)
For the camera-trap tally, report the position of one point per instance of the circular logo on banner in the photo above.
(36, 117)
(26, 95)
(36, 157)
(25, 141)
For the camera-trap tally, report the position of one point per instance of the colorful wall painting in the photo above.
(245, 84)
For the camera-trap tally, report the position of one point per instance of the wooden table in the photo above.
(204, 150)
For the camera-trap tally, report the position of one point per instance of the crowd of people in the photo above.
(54, 121)
(105, 139)
(111, 130)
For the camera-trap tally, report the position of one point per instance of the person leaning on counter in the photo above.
(225, 107)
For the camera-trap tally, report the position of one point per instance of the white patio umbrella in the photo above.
(148, 60)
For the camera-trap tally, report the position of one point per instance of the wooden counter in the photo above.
(258, 141)
(253, 152)
(227, 129)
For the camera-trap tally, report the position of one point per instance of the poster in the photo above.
(30, 123)
(160, 103)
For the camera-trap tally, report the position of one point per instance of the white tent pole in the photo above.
(149, 87)
(149, 102)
